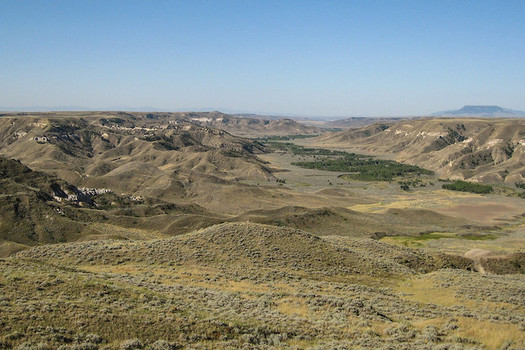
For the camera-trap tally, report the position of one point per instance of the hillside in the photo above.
(254, 286)
(248, 246)
(485, 150)
(252, 126)
(37, 208)
(150, 155)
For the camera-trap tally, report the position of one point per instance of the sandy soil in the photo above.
(491, 212)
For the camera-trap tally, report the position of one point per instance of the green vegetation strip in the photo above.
(465, 186)
(359, 167)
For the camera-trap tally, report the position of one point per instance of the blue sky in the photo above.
(312, 58)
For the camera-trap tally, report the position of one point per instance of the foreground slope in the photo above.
(254, 286)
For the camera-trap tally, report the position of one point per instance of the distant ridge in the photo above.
(482, 111)
(358, 122)
(78, 109)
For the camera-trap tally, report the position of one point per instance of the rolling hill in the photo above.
(252, 126)
(245, 285)
(37, 208)
(484, 150)
(151, 155)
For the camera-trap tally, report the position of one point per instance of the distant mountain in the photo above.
(483, 111)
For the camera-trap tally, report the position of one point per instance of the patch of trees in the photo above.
(365, 168)
(465, 186)
(405, 185)
(357, 166)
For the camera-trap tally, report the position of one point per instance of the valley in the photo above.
(205, 230)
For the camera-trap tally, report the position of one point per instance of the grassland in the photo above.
(420, 240)
(247, 287)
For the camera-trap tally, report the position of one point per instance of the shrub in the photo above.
(164, 345)
(465, 186)
(131, 344)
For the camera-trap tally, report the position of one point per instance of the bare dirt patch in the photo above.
(486, 213)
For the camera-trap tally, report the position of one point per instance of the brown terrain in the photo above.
(177, 230)
(484, 150)
(246, 126)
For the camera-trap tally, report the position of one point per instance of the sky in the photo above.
(302, 58)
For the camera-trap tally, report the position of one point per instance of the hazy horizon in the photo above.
(312, 59)
(45, 109)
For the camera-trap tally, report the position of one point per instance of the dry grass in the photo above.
(128, 269)
(293, 306)
(491, 334)
(438, 322)
(430, 289)
(125, 232)
(423, 289)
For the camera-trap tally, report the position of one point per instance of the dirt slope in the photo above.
(485, 150)
(252, 127)
(149, 155)
(37, 208)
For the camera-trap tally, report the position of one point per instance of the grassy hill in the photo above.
(255, 286)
